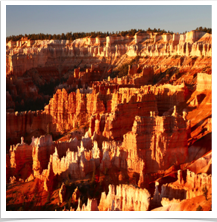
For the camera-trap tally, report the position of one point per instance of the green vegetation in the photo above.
(123, 70)
(48, 197)
(72, 36)
(205, 192)
(176, 56)
(204, 29)
(199, 208)
(94, 173)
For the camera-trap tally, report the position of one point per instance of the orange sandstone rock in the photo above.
(126, 198)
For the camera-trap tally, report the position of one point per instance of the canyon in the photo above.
(119, 123)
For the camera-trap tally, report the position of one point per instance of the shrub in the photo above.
(67, 182)
(48, 197)
(20, 209)
(205, 192)
(123, 70)
(199, 208)
(136, 59)
(69, 203)
(168, 71)
(94, 173)
(106, 171)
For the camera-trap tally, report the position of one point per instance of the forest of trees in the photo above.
(72, 36)
(208, 30)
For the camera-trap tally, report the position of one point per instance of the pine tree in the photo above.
(94, 173)
(205, 192)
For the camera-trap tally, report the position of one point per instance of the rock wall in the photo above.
(10, 104)
(167, 95)
(21, 161)
(126, 198)
(91, 205)
(64, 55)
(204, 82)
(35, 157)
(69, 110)
(193, 36)
(133, 126)
(19, 124)
(41, 152)
(186, 187)
(63, 113)
(196, 182)
(159, 141)
(112, 155)
(73, 164)
(115, 123)
(82, 161)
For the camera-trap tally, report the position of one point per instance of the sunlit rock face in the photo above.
(159, 141)
(62, 55)
(126, 198)
(118, 135)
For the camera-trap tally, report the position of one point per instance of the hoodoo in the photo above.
(118, 123)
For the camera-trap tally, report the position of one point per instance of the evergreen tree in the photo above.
(72, 36)
(94, 173)
(205, 192)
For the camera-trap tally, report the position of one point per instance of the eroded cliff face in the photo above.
(126, 198)
(188, 186)
(65, 54)
(159, 141)
(152, 125)
(66, 111)
(149, 147)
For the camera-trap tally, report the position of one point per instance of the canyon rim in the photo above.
(109, 121)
